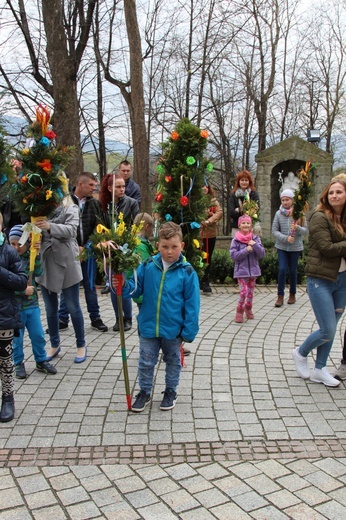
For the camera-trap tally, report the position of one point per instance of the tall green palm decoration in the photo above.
(182, 171)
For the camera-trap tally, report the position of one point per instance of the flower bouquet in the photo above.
(42, 184)
(303, 192)
(114, 248)
(114, 251)
(250, 207)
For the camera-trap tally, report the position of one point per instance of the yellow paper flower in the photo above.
(26, 151)
(204, 255)
(196, 243)
(101, 229)
(25, 201)
(49, 193)
(120, 228)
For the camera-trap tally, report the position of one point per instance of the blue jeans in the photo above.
(149, 349)
(127, 305)
(51, 302)
(89, 275)
(328, 300)
(31, 319)
(287, 260)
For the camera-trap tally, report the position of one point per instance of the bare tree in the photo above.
(66, 28)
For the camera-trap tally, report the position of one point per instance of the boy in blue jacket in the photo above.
(168, 316)
(29, 311)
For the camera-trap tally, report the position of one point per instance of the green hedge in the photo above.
(222, 266)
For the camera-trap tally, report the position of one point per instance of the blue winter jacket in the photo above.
(171, 299)
(245, 262)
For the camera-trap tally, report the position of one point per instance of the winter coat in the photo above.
(171, 300)
(25, 301)
(326, 248)
(125, 205)
(89, 216)
(237, 203)
(281, 231)
(214, 214)
(246, 262)
(59, 251)
(12, 278)
(133, 190)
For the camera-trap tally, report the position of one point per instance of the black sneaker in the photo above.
(46, 367)
(106, 290)
(98, 324)
(142, 399)
(169, 399)
(62, 325)
(127, 323)
(20, 371)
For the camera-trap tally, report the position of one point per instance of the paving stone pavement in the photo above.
(247, 439)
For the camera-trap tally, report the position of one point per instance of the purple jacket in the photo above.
(246, 263)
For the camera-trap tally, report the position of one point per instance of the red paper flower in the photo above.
(184, 201)
(204, 134)
(168, 178)
(50, 134)
(175, 136)
(158, 197)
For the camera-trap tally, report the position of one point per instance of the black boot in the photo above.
(206, 287)
(7, 408)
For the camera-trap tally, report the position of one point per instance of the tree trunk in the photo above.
(64, 79)
(137, 105)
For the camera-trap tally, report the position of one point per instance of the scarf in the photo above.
(245, 239)
(286, 212)
(240, 194)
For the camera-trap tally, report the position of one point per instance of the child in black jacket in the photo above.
(12, 278)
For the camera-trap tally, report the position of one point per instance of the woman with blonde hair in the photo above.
(326, 280)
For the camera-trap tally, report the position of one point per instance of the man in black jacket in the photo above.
(89, 216)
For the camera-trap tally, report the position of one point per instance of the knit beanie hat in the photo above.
(16, 232)
(287, 193)
(244, 218)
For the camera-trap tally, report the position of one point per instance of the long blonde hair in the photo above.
(339, 223)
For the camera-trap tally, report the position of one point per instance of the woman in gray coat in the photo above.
(62, 273)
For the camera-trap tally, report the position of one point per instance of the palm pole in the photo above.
(122, 340)
(121, 319)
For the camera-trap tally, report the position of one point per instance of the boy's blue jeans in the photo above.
(326, 298)
(149, 349)
(51, 302)
(90, 295)
(31, 319)
(287, 260)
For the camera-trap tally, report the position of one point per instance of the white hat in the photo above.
(287, 193)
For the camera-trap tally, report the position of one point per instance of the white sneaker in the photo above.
(301, 363)
(321, 375)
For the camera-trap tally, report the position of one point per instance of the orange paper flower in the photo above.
(204, 134)
(42, 118)
(46, 165)
(175, 136)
